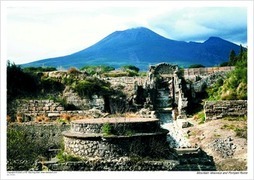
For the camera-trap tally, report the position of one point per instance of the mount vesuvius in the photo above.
(142, 47)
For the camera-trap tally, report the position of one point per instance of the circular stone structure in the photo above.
(116, 137)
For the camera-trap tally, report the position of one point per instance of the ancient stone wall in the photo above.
(200, 85)
(112, 138)
(189, 72)
(164, 68)
(120, 164)
(44, 135)
(48, 110)
(38, 105)
(120, 127)
(115, 147)
(219, 109)
(84, 103)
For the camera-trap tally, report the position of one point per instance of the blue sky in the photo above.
(49, 29)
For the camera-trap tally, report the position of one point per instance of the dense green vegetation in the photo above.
(29, 82)
(64, 157)
(34, 83)
(235, 85)
(100, 69)
(39, 69)
(107, 129)
(130, 67)
(21, 151)
(91, 86)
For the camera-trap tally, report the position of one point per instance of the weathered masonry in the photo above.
(165, 79)
(116, 137)
(220, 109)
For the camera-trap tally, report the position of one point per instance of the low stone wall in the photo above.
(230, 108)
(49, 110)
(47, 135)
(121, 164)
(114, 147)
(84, 103)
(117, 125)
(188, 72)
(38, 105)
(28, 141)
(115, 137)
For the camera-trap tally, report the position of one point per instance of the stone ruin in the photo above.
(161, 94)
(166, 79)
(116, 137)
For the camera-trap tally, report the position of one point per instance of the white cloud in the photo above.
(49, 29)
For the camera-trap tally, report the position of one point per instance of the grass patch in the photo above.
(107, 129)
(234, 118)
(62, 121)
(200, 116)
(240, 131)
(64, 157)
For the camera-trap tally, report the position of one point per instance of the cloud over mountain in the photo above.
(142, 47)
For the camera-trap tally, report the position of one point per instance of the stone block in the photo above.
(59, 108)
(54, 114)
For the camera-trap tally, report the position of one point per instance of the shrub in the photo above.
(91, 86)
(38, 69)
(62, 121)
(50, 85)
(100, 69)
(73, 71)
(130, 68)
(64, 157)
(107, 129)
(19, 118)
(21, 153)
(224, 64)
(19, 83)
(235, 85)
(200, 116)
(116, 74)
(66, 117)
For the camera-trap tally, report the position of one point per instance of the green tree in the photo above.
(224, 64)
(20, 83)
(196, 66)
(232, 58)
(130, 67)
(241, 53)
(235, 85)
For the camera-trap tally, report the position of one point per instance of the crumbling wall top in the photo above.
(164, 68)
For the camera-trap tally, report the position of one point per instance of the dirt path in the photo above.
(218, 138)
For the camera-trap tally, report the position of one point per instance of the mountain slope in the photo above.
(141, 47)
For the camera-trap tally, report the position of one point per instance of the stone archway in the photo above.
(165, 69)
(162, 79)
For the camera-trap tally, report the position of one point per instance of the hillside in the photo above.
(142, 47)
